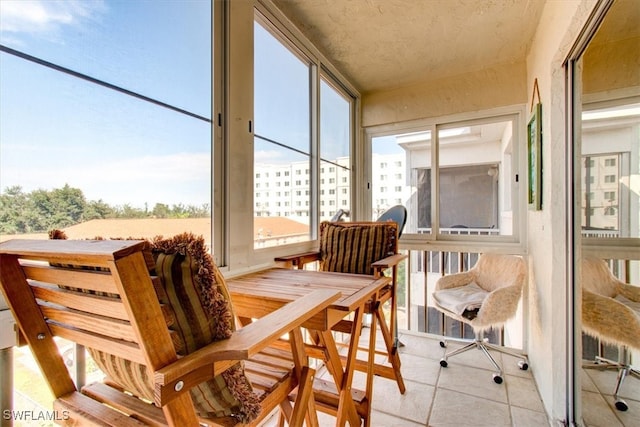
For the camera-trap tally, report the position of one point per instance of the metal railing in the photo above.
(463, 231)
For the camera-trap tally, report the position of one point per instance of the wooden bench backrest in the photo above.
(94, 293)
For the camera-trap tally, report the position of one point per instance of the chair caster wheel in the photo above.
(443, 344)
(621, 405)
(497, 379)
(523, 365)
(443, 363)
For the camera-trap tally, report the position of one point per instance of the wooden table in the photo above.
(257, 294)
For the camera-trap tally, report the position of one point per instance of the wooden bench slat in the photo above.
(98, 304)
(265, 370)
(130, 405)
(33, 327)
(266, 359)
(112, 328)
(101, 305)
(98, 281)
(84, 411)
(125, 349)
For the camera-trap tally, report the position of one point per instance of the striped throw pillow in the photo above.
(353, 248)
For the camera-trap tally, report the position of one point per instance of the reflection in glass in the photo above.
(610, 189)
(608, 160)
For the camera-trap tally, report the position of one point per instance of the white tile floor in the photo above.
(597, 399)
(464, 394)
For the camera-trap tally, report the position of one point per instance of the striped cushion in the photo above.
(196, 291)
(348, 248)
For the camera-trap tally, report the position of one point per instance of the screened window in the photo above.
(476, 183)
(105, 116)
(411, 177)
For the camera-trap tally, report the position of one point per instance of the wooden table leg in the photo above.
(394, 356)
(370, 364)
(342, 379)
(305, 390)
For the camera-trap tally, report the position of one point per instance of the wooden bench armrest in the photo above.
(299, 260)
(388, 262)
(215, 358)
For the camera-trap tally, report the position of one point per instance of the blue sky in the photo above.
(282, 104)
(57, 129)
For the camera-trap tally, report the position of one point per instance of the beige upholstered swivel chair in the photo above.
(608, 313)
(484, 297)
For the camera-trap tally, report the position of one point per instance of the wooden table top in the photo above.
(284, 285)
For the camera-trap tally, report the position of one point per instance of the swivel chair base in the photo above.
(482, 344)
(623, 369)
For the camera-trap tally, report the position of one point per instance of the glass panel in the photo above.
(281, 199)
(400, 170)
(475, 184)
(401, 175)
(282, 142)
(608, 146)
(77, 155)
(335, 144)
(158, 49)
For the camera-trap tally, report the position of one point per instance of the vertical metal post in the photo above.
(80, 366)
(6, 386)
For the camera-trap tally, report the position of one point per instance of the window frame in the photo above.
(515, 243)
(239, 19)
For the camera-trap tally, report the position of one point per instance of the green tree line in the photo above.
(42, 210)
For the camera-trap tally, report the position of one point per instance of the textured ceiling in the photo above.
(384, 44)
(622, 22)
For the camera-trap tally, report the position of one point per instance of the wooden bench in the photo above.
(108, 302)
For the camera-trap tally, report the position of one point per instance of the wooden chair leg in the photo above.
(305, 406)
(305, 392)
(286, 410)
(394, 357)
(370, 364)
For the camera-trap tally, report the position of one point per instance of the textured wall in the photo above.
(547, 246)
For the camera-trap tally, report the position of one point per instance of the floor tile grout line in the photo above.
(433, 399)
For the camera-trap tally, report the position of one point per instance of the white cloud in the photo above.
(46, 16)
